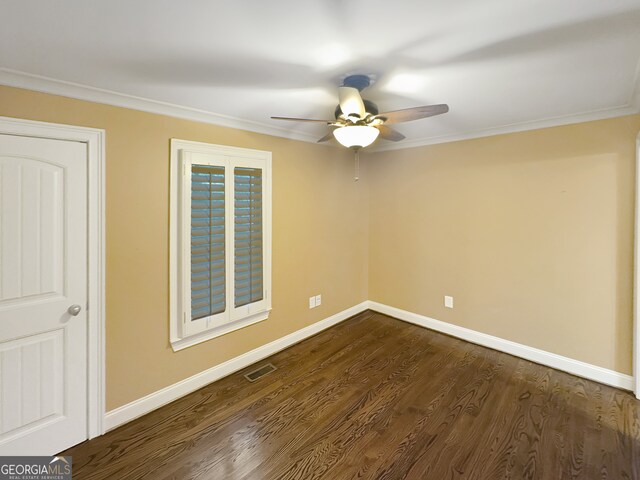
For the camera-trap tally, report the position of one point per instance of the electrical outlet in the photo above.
(448, 301)
(312, 302)
(318, 300)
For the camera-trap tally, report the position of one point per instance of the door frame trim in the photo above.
(636, 277)
(95, 141)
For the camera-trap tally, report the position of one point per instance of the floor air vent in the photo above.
(260, 372)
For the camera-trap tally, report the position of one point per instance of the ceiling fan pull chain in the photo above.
(357, 165)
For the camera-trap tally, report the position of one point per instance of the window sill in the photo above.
(178, 344)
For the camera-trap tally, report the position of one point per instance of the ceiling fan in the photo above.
(358, 123)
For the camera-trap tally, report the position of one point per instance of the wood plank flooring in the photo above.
(377, 398)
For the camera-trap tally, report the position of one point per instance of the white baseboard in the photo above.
(569, 365)
(144, 405)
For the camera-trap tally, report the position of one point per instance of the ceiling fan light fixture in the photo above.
(356, 135)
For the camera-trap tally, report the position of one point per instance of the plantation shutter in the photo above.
(248, 236)
(208, 279)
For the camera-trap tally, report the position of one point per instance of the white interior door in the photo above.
(43, 275)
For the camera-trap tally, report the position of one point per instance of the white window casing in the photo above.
(220, 260)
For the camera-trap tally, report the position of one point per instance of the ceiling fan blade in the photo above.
(415, 113)
(292, 119)
(389, 133)
(328, 136)
(351, 102)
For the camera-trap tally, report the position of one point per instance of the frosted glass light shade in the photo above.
(356, 135)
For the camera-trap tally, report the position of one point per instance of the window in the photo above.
(220, 260)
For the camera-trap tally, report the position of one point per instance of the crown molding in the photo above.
(630, 109)
(14, 78)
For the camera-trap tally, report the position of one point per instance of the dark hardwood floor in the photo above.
(377, 398)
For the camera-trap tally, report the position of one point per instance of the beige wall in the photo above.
(531, 233)
(319, 238)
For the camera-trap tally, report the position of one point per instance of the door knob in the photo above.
(74, 309)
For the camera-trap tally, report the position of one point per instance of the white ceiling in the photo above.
(501, 65)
